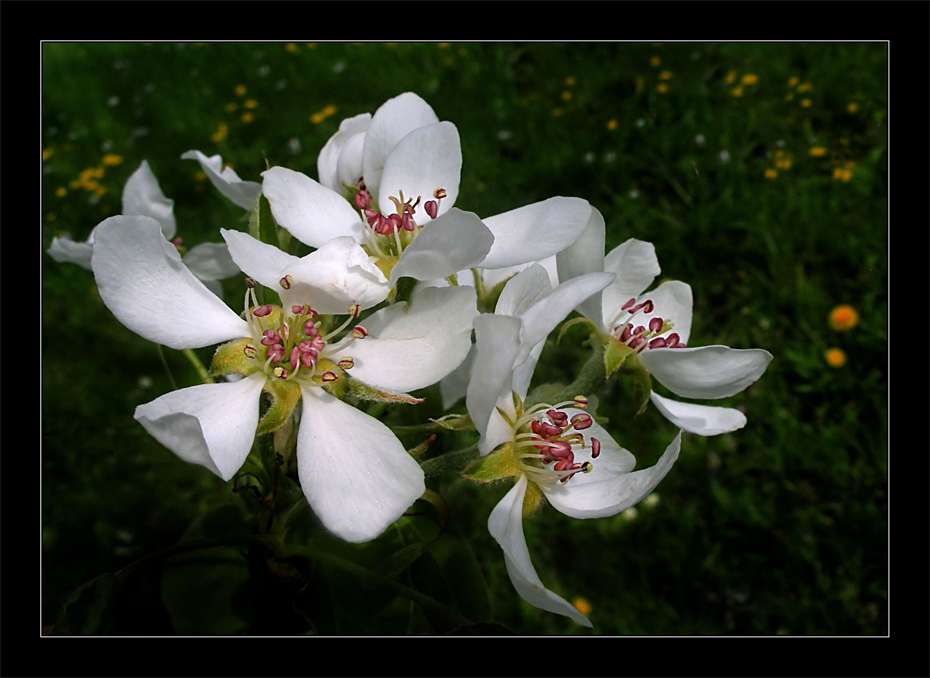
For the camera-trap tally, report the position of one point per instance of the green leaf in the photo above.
(89, 610)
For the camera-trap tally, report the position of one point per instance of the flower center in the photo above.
(546, 440)
(642, 337)
(388, 235)
(295, 342)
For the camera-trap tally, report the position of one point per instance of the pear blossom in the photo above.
(353, 470)
(241, 192)
(556, 451)
(142, 195)
(390, 183)
(653, 330)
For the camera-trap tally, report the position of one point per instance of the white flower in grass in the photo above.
(355, 473)
(142, 196)
(555, 451)
(652, 330)
(388, 182)
(241, 192)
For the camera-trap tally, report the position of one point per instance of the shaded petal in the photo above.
(394, 120)
(210, 261)
(141, 279)
(498, 431)
(65, 250)
(334, 277)
(672, 300)
(256, 259)
(327, 163)
(707, 372)
(523, 373)
(585, 255)
(354, 471)
(453, 241)
(453, 386)
(535, 231)
(493, 276)
(506, 526)
(636, 266)
(426, 159)
(227, 182)
(610, 487)
(410, 346)
(704, 420)
(309, 211)
(519, 295)
(497, 338)
(349, 168)
(212, 425)
(544, 315)
(142, 196)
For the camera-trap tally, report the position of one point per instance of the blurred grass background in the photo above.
(759, 171)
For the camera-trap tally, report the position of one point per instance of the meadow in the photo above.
(758, 171)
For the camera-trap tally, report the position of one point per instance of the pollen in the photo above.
(843, 318)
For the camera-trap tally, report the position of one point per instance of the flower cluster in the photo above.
(396, 282)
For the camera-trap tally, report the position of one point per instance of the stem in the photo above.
(451, 462)
(201, 370)
(592, 377)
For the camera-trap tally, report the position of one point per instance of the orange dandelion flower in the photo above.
(230, 107)
(220, 133)
(731, 76)
(47, 153)
(817, 152)
(843, 318)
(582, 605)
(247, 117)
(737, 91)
(806, 103)
(852, 107)
(611, 124)
(292, 48)
(794, 81)
(570, 81)
(655, 61)
(661, 88)
(665, 75)
(566, 95)
(771, 173)
(61, 191)
(240, 90)
(835, 357)
(111, 159)
(251, 103)
(749, 79)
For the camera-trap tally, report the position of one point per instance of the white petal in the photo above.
(497, 338)
(636, 266)
(585, 255)
(523, 373)
(453, 386)
(610, 487)
(535, 231)
(355, 473)
(265, 263)
(426, 159)
(454, 241)
(673, 301)
(349, 167)
(210, 261)
(506, 526)
(309, 211)
(498, 431)
(212, 425)
(394, 120)
(142, 196)
(328, 160)
(141, 279)
(411, 346)
(227, 182)
(544, 315)
(703, 420)
(519, 295)
(65, 250)
(707, 372)
(493, 276)
(334, 277)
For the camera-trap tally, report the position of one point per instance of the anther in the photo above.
(287, 282)
(595, 448)
(250, 352)
(262, 311)
(581, 402)
(439, 193)
(432, 208)
(346, 363)
(361, 199)
(355, 310)
(279, 373)
(582, 421)
(329, 376)
(559, 418)
(250, 283)
(628, 304)
(359, 332)
(655, 324)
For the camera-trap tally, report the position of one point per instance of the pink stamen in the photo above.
(559, 418)
(656, 324)
(271, 337)
(276, 352)
(658, 342)
(582, 421)
(671, 341)
(440, 193)
(262, 311)
(432, 208)
(628, 304)
(359, 332)
(361, 199)
(595, 448)
(581, 401)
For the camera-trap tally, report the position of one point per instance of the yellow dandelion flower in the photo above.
(111, 159)
(611, 124)
(292, 48)
(852, 107)
(566, 95)
(99, 190)
(570, 81)
(737, 91)
(247, 117)
(806, 87)
(320, 116)
(665, 75)
(771, 173)
(661, 88)
(230, 107)
(240, 90)
(835, 357)
(806, 103)
(61, 191)
(794, 80)
(843, 317)
(731, 76)
(250, 103)
(783, 163)
(442, 45)
(47, 153)
(556, 112)
(220, 133)
(749, 79)
(582, 605)
(817, 152)
(655, 61)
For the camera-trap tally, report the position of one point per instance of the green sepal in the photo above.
(642, 380)
(230, 358)
(363, 392)
(455, 422)
(578, 321)
(615, 354)
(495, 466)
(284, 397)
